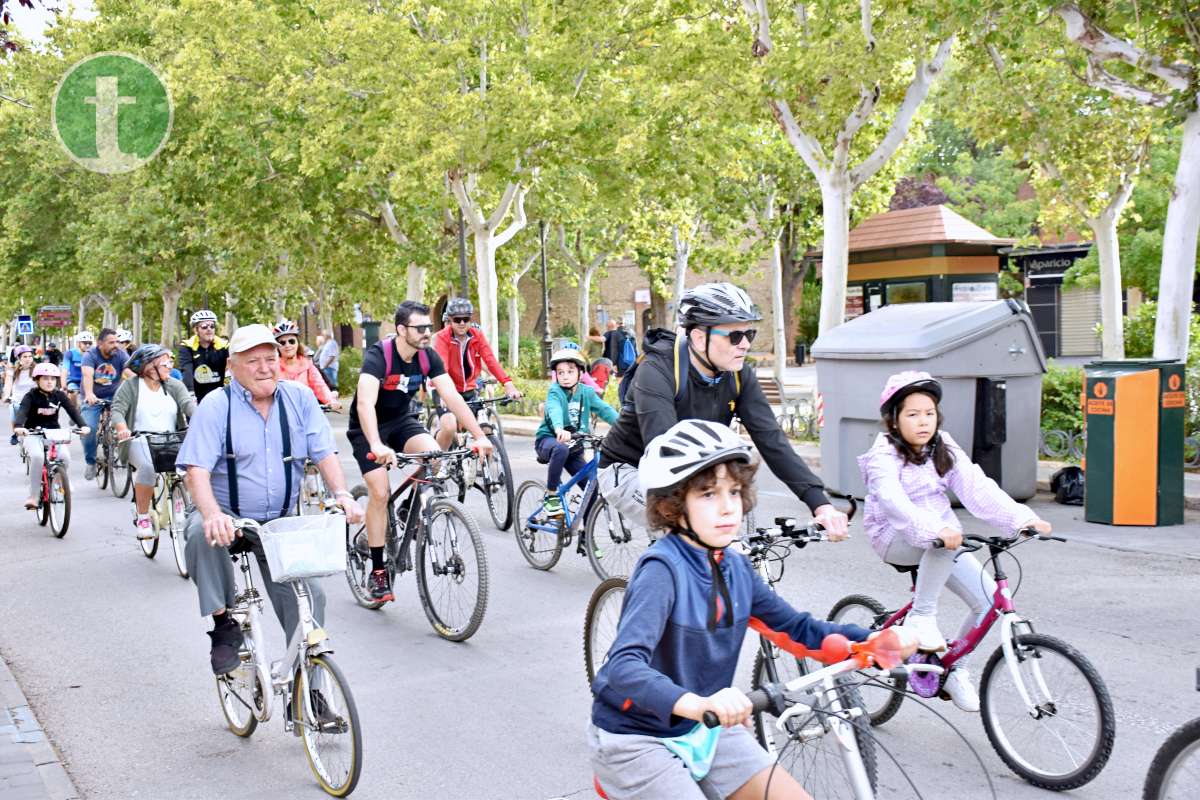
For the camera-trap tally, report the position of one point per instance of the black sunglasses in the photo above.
(287, 341)
(420, 328)
(735, 337)
(460, 320)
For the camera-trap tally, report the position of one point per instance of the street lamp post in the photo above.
(545, 302)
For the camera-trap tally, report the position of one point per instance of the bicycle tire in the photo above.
(429, 542)
(500, 502)
(541, 549)
(881, 702)
(102, 461)
(804, 757)
(621, 544)
(358, 563)
(150, 546)
(1033, 647)
(599, 625)
(345, 712)
(60, 521)
(1180, 746)
(177, 514)
(120, 476)
(43, 510)
(242, 683)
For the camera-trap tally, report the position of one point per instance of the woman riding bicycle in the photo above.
(295, 366)
(908, 471)
(152, 402)
(685, 615)
(39, 409)
(19, 382)
(569, 407)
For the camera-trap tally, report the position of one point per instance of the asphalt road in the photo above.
(111, 652)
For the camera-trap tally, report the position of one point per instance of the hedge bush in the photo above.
(1061, 390)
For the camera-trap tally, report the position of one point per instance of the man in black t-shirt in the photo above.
(383, 419)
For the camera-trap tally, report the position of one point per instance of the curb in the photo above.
(20, 731)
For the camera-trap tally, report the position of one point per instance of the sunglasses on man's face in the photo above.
(460, 320)
(207, 327)
(735, 337)
(286, 342)
(420, 328)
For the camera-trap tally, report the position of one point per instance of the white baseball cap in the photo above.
(250, 336)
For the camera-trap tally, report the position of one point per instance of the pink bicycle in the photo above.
(1045, 708)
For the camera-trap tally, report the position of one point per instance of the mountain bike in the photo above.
(54, 499)
(169, 503)
(541, 537)
(451, 564)
(1175, 771)
(316, 698)
(1045, 708)
(493, 475)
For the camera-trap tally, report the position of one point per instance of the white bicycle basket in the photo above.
(305, 547)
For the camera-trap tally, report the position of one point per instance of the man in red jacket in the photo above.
(465, 351)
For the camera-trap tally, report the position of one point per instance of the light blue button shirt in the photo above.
(258, 446)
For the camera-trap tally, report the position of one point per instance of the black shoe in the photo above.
(226, 642)
(381, 590)
(12, 439)
(326, 720)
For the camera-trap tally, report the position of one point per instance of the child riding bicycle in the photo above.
(569, 407)
(686, 611)
(908, 471)
(39, 409)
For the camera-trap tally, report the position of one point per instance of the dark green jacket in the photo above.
(124, 406)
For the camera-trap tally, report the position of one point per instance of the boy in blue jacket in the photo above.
(685, 614)
(569, 407)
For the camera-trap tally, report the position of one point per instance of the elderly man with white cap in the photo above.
(244, 454)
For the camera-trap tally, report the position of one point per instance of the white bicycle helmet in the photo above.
(85, 336)
(689, 446)
(203, 315)
(712, 304)
(124, 336)
(568, 354)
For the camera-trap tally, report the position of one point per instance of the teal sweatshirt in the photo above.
(573, 409)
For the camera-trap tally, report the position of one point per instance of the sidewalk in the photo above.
(811, 453)
(29, 767)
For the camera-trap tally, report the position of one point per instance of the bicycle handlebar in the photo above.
(428, 455)
(1003, 542)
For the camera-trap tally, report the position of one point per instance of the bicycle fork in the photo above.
(248, 606)
(1013, 661)
(831, 717)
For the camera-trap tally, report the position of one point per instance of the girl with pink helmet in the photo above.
(39, 409)
(909, 472)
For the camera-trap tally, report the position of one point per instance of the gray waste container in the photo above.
(988, 359)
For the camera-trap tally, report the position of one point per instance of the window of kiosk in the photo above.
(915, 292)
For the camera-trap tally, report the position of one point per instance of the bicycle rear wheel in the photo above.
(600, 624)
(811, 750)
(452, 571)
(177, 514)
(539, 537)
(1070, 739)
(613, 544)
(120, 474)
(358, 554)
(102, 459)
(1175, 772)
(241, 692)
(498, 485)
(328, 724)
(882, 698)
(59, 505)
(312, 493)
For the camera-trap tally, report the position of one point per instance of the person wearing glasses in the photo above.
(203, 358)
(294, 365)
(465, 352)
(383, 419)
(703, 375)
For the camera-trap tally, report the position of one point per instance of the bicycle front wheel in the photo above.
(358, 554)
(498, 485)
(811, 749)
(600, 624)
(1067, 738)
(103, 456)
(452, 571)
(881, 697)
(1175, 771)
(59, 504)
(177, 514)
(120, 476)
(241, 693)
(539, 537)
(324, 710)
(613, 545)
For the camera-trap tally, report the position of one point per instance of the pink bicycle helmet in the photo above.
(47, 369)
(22, 350)
(902, 384)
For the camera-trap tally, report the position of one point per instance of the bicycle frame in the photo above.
(418, 486)
(571, 522)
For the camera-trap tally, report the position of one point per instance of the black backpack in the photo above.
(680, 367)
(1067, 485)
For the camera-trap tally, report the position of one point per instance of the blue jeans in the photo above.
(558, 455)
(330, 374)
(91, 415)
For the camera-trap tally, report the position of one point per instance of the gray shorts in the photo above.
(619, 486)
(633, 766)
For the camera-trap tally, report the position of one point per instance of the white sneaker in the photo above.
(143, 529)
(958, 686)
(929, 638)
